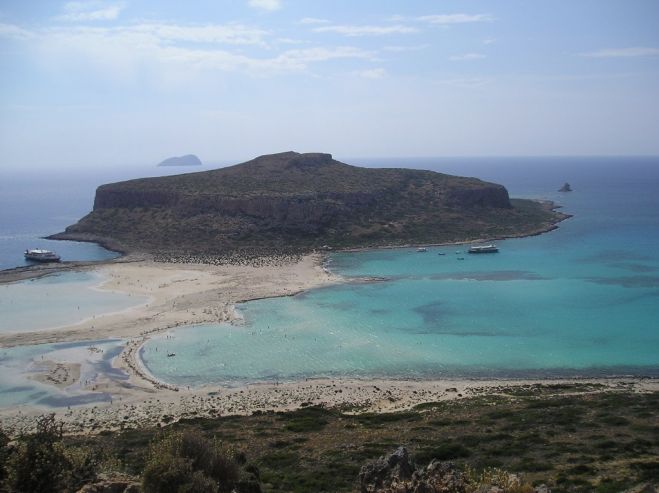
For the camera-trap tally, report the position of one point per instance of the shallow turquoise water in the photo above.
(56, 300)
(581, 300)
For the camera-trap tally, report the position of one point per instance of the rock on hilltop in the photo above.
(301, 201)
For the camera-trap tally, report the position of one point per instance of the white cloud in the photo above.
(269, 5)
(299, 59)
(14, 32)
(348, 30)
(489, 41)
(374, 73)
(90, 11)
(637, 51)
(236, 34)
(466, 57)
(313, 20)
(445, 19)
(123, 52)
(174, 54)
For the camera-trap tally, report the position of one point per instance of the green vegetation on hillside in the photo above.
(595, 441)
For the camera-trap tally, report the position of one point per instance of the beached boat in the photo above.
(491, 248)
(39, 255)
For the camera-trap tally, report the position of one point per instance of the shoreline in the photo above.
(353, 396)
(126, 255)
(550, 205)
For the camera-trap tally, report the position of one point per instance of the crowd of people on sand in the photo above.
(272, 258)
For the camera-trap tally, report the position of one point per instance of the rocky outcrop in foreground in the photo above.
(397, 473)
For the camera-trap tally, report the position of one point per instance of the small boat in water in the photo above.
(169, 355)
(491, 248)
(421, 250)
(40, 255)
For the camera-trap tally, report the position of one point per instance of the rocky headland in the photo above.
(301, 202)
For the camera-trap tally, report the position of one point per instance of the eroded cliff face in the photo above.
(113, 196)
(294, 199)
(303, 204)
(487, 196)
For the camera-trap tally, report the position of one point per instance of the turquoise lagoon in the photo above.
(56, 300)
(581, 300)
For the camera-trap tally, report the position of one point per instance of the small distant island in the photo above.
(565, 188)
(187, 160)
(300, 203)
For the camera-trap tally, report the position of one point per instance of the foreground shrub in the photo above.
(38, 462)
(180, 462)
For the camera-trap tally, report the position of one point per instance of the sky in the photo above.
(109, 83)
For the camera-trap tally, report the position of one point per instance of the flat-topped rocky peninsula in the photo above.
(300, 203)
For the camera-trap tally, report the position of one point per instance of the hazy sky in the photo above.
(97, 83)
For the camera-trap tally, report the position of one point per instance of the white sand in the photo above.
(182, 295)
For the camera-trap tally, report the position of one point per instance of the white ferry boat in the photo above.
(491, 248)
(39, 255)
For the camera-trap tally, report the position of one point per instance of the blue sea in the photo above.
(580, 300)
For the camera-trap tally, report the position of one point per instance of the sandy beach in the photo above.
(139, 408)
(181, 294)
